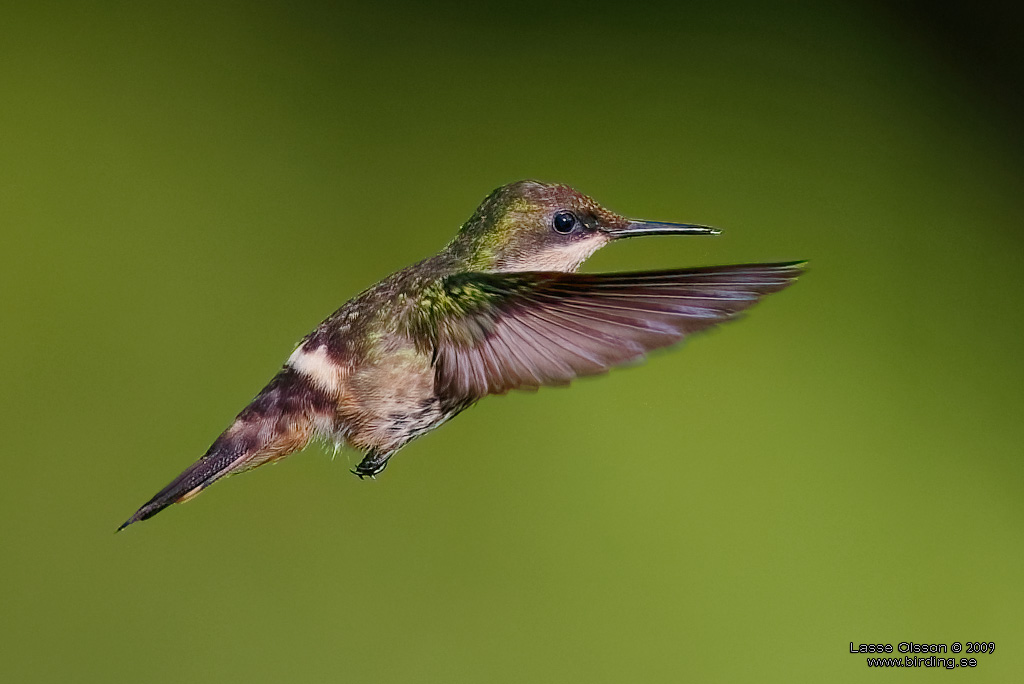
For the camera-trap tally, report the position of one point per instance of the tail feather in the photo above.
(279, 421)
(197, 477)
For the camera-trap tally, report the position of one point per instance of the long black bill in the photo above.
(638, 228)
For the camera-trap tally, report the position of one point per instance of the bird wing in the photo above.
(505, 331)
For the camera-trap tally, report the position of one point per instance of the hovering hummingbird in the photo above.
(499, 308)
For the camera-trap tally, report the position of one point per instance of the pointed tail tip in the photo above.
(180, 490)
(135, 518)
(146, 512)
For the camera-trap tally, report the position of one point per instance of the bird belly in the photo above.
(391, 401)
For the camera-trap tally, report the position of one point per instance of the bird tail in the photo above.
(279, 421)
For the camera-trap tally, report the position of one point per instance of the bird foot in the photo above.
(372, 465)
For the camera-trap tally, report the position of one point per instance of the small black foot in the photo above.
(372, 465)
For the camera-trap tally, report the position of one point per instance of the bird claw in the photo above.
(362, 476)
(371, 466)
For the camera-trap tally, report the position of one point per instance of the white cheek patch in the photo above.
(566, 258)
(316, 365)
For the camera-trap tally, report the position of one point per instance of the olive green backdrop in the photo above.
(187, 188)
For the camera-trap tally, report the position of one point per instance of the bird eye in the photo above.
(563, 222)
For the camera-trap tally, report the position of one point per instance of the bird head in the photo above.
(533, 226)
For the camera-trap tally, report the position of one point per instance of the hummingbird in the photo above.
(501, 307)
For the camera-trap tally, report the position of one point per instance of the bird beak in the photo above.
(637, 228)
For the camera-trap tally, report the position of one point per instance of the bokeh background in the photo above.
(187, 188)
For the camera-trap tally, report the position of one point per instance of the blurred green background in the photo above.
(187, 188)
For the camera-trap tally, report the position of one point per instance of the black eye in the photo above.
(563, 222)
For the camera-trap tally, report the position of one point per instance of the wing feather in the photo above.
(524, 330)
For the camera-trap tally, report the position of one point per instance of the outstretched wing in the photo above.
(504, 331)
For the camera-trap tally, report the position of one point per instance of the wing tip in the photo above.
(798, 268)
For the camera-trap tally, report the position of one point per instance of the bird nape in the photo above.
(499, 308)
